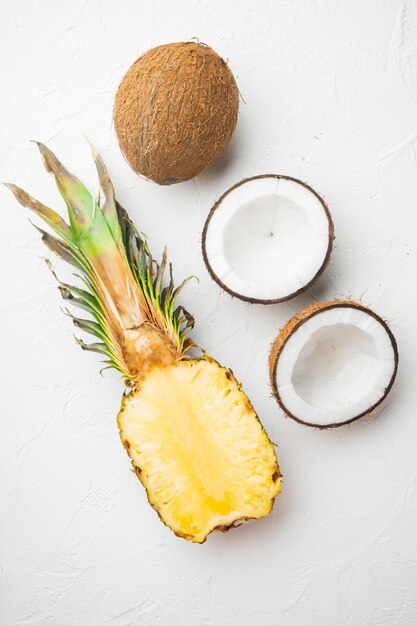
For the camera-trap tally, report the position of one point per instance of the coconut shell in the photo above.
(175, 110)
(293, 324)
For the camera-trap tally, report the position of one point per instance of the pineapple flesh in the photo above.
(194, 439)
(197, 446)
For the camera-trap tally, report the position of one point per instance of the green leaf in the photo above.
(88, 224)
(82, 299)
(180, 287)
(91, 327)
(107, 200)
(160, 273)
(101, 348)
(60, 248)
(81, 303)
(53, 220)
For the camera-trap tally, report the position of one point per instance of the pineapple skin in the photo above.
(202, 455)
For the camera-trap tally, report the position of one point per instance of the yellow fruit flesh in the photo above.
(199, 448)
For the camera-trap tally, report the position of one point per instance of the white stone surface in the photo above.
(330, 96)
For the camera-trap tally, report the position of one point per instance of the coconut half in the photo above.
(333, 363)
(268, 238)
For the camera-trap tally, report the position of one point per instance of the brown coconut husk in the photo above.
(293, 324)
(175, 110)
(302, 289)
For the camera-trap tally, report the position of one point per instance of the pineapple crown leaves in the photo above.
(149, 276)
(122, 285)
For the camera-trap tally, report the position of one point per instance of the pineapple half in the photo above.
(195, 441)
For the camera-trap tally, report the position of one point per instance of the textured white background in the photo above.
(330, 96)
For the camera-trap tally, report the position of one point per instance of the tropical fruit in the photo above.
(175, 110)
(194, 439)
(268, 238)
(333, 363)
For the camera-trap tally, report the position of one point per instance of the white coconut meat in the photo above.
(336, 366)
(267, 238)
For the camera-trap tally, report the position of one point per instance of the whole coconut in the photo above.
(175, 111)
